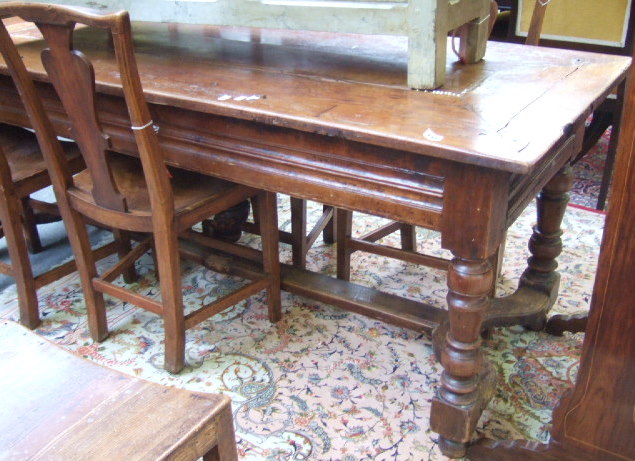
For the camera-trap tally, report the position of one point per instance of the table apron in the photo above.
(326, 168)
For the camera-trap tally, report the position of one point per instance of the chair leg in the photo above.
(10, 208)
(301, 240)
(344, 231)
(123, 248)
(609, 163)
(408, 234)
(329, 235)
(87, 269)
(268, 218)
(155, 261)
(169, 268)
(30, 227)
(298, 232)
(256, 213)
(496, 261)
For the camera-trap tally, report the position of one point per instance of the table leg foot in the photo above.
(455, 423)
(558, 324)
(511, 450)
(527, 306)
(452, 449)
(227, 225)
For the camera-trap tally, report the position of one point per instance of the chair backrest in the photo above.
(606, 27)
(73, 77)
(537, 20)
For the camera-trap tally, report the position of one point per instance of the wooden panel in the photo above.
(599, 414)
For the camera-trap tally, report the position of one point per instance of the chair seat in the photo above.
(25, 157)
(191, 190)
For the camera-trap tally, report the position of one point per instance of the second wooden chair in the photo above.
(23, 172)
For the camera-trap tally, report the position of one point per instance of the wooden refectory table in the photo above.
(329, 118)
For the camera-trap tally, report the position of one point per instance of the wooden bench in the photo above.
(57, 406)
(426, 23)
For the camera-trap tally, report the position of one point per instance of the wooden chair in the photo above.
(28, 174)
(336, 226)
(133, 195)
(347, 245)
(23, 172)
(299, 237)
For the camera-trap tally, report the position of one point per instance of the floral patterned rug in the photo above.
(325, 384)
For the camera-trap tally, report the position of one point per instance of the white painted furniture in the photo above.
(426, 23)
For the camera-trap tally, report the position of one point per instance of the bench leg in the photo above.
(225, 449)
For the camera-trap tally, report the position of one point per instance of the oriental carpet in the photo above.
(325, 384)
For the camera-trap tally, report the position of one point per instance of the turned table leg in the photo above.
(545, 244)
(538, 286)
(529, 305)
(472, 228)
(464, 389)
